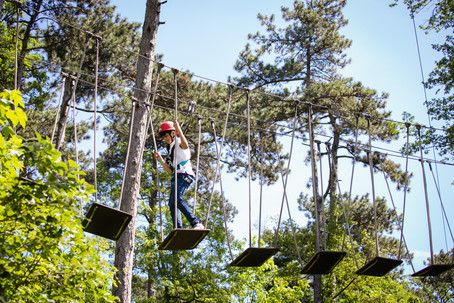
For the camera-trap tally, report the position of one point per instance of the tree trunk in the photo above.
(318, 208)
(25, 40)
(332, 184)
(124, 250)
(64, 111)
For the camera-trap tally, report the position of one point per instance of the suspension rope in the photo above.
(284, 184)
(199, 123)
(397, 215)
(426, 199)
(249, 164)
(218, 162)
(75, 141)
(441, 204)
(95, 122)
(405, 189)
(355, 155)
(261, 188)
(322, 196)
(175, 164)
(87, 38)
(314, 181)
(346, 216)
(424, 86)
(133, 110)
(371, 167)
(224, 214)
(155, 145)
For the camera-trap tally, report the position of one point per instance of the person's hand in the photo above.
(158, 156)
(177, 127)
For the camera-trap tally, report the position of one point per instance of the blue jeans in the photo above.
(182, 185)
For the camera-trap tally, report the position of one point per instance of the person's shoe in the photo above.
(198, 226)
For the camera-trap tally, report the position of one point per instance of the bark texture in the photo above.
(124, 251)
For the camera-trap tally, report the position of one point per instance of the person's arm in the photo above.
(184, 143)
(163, 163)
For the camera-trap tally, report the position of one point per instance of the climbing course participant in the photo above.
(177, 147)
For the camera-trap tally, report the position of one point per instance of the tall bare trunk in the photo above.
(332, 185)
(318, 207)
(64, 111)
(124, 251)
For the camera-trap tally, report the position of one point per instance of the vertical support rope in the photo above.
(79, 72)
(284, 185)
(412, 15)
(261, 188)
(395, 211)
(175, 146)
(355, 154)
(133, 110)
(75, 141)
(323, 220)
(314, 178)
(407, 125)
(199, 123)
(155, 145)
(222, 195)
(418, 127)
(347, 225)
(442, 205)
(95, 122)
(249, 164)
(219, 154)
(371, 167)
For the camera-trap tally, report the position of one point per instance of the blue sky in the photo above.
(205, 37)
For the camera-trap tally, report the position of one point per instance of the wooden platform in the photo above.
(105, 221)
(433, 270)
(183, 239)
(323, 262)
(254, 256)
(378, 267)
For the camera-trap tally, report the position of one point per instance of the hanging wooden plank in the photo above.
(105, 221)
(183, 239)
(433, 270)
(323, 262)
(378, 267)
(254, 256)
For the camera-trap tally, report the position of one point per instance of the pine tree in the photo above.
(302, 61)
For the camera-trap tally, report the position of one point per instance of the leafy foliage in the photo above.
(441, 78)
(45, 256)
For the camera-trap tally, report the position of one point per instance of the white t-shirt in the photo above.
(184, 165)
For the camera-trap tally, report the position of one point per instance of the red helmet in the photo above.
(166, 126)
